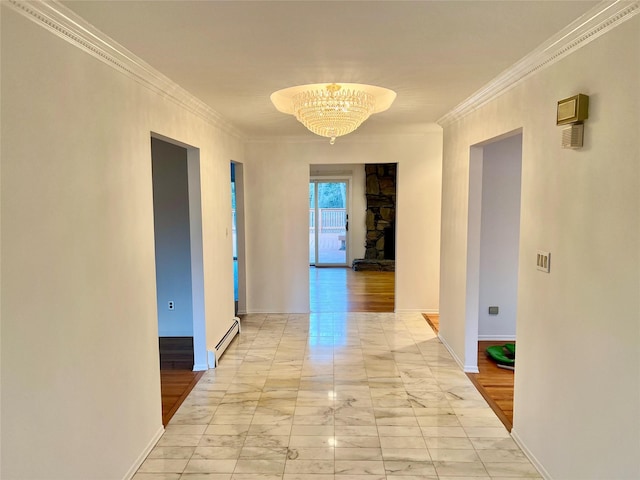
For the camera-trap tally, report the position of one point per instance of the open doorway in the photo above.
(237, 227)
(234, 237)
(179, 272)
(493, 253)
(343, 288)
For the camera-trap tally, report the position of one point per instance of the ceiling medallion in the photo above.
(333, 110)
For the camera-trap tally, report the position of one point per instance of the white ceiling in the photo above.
(234, 54)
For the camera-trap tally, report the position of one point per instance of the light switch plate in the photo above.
(543, 261)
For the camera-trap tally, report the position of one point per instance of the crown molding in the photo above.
(72, 28)
(311, 138)
(596, 22)
(352, 138)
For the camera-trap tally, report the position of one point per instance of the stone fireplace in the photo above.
(380, 191)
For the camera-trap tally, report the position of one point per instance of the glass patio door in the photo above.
(328, 223)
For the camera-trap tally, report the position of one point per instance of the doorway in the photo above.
(172, 242)
(179, 269)
(234, 237)
(342, 288)
(492, 261)
(493, 242)
(328, 222)
(238, 237)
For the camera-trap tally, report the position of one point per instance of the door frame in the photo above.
(197, 260)
(240, 238)
(474, 227)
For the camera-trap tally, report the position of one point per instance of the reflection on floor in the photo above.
(339, 395)
(332, 290)
(343, 290)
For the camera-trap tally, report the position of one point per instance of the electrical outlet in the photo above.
(172, 305)
(543, 261)
(494, 310)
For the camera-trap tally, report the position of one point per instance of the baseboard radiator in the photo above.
(226, 340)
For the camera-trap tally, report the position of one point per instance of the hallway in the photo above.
(341, 396)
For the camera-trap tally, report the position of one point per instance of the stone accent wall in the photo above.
(381, 209)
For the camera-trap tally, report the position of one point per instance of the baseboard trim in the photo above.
(142, 457)
(463, 367)
(532, 458)
(417, 310)
(267, 311)
(450, 350)
(497, 338)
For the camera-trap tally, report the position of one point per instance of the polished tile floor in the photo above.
(335, 396)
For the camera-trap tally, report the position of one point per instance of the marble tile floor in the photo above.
(335, 396)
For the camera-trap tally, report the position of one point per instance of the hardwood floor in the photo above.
(175, 386)
(433, 320)
(176, 376)
(495, 384)
(343, 290)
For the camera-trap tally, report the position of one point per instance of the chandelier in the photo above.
(333, 110)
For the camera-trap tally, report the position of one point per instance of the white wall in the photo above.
(80, 374)
(172, 239)
(277, 179)
(499, 238)
(576, 407)
(357, 203)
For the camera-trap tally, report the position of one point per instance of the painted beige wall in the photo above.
(80, 379)
(277, 217)
(577, 408)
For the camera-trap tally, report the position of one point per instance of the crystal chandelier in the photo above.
(333, 110)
